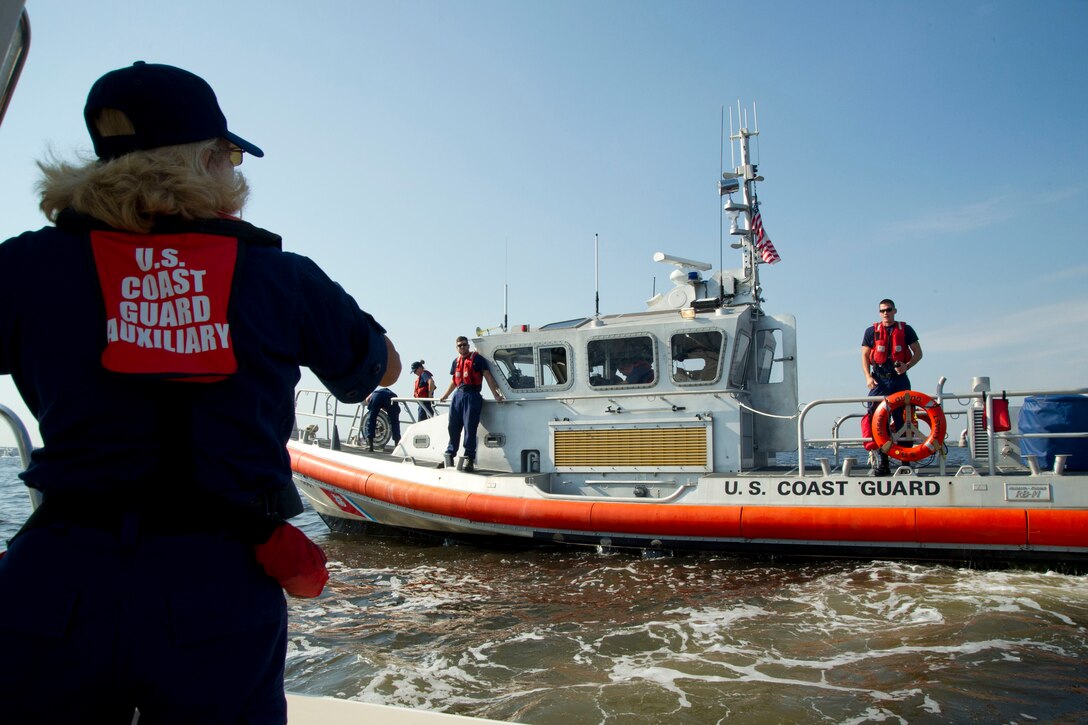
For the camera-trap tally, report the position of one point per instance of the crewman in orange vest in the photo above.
(469, 370)
(424, 388)
(888, 350)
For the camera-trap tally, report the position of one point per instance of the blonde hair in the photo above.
(131, 191)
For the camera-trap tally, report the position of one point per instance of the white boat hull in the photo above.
(907, 515)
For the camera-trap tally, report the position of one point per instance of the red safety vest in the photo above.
(895, 347)
(465, 374)
(422, 390)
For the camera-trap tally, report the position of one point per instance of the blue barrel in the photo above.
(1055, 414)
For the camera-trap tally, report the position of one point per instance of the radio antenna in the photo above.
(721, 211)
(506, 284)
(596, 276)
(755, 119)
(732, 149)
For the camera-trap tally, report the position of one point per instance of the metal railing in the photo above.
(329, 414)
(25, 446)
(942, 398)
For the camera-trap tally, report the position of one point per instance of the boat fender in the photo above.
(910, 400)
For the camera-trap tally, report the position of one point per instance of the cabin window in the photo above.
(517, 365)
(697, 356)
(529, 367)
(738, 370)
(623, 361)
(554, 368)
(768, 369)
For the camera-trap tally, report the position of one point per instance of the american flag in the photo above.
(763, 242)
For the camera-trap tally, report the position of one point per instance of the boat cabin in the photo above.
(675, 389)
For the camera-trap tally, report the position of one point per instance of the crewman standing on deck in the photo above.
(157, 340)
(888, 350)
(424, 388)
(468, 372)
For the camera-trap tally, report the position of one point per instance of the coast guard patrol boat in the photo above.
(706, 450)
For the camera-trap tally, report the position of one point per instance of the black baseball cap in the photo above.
(416, 366)
(168, 106)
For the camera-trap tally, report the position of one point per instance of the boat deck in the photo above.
(820, 466)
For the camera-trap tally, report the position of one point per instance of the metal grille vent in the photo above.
(624, 448)
(980, 444)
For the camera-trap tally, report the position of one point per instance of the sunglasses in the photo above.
(462, 344)
(234, 154)
(884, 312)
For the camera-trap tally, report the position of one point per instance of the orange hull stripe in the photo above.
(1051, 527)
(667, 520)
(976, 526)
(531, 513)
(829, 524)
(1008, 527)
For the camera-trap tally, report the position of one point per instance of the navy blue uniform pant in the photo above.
(391, 409)
(95, 624)
(464, 415)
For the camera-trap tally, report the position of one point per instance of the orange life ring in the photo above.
(909, 399)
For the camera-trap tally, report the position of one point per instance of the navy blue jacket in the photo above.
(115, 435)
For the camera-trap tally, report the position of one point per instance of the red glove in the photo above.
(297, 563)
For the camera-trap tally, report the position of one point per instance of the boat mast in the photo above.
(748, 289)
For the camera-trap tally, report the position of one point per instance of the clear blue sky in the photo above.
(427, 153)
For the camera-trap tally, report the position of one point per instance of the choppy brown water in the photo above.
(564, 637)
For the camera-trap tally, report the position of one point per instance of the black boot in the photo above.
(469, 465)
(882, 468)
(370, 444)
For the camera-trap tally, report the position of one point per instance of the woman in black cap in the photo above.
(423, 388)
(157, 340)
